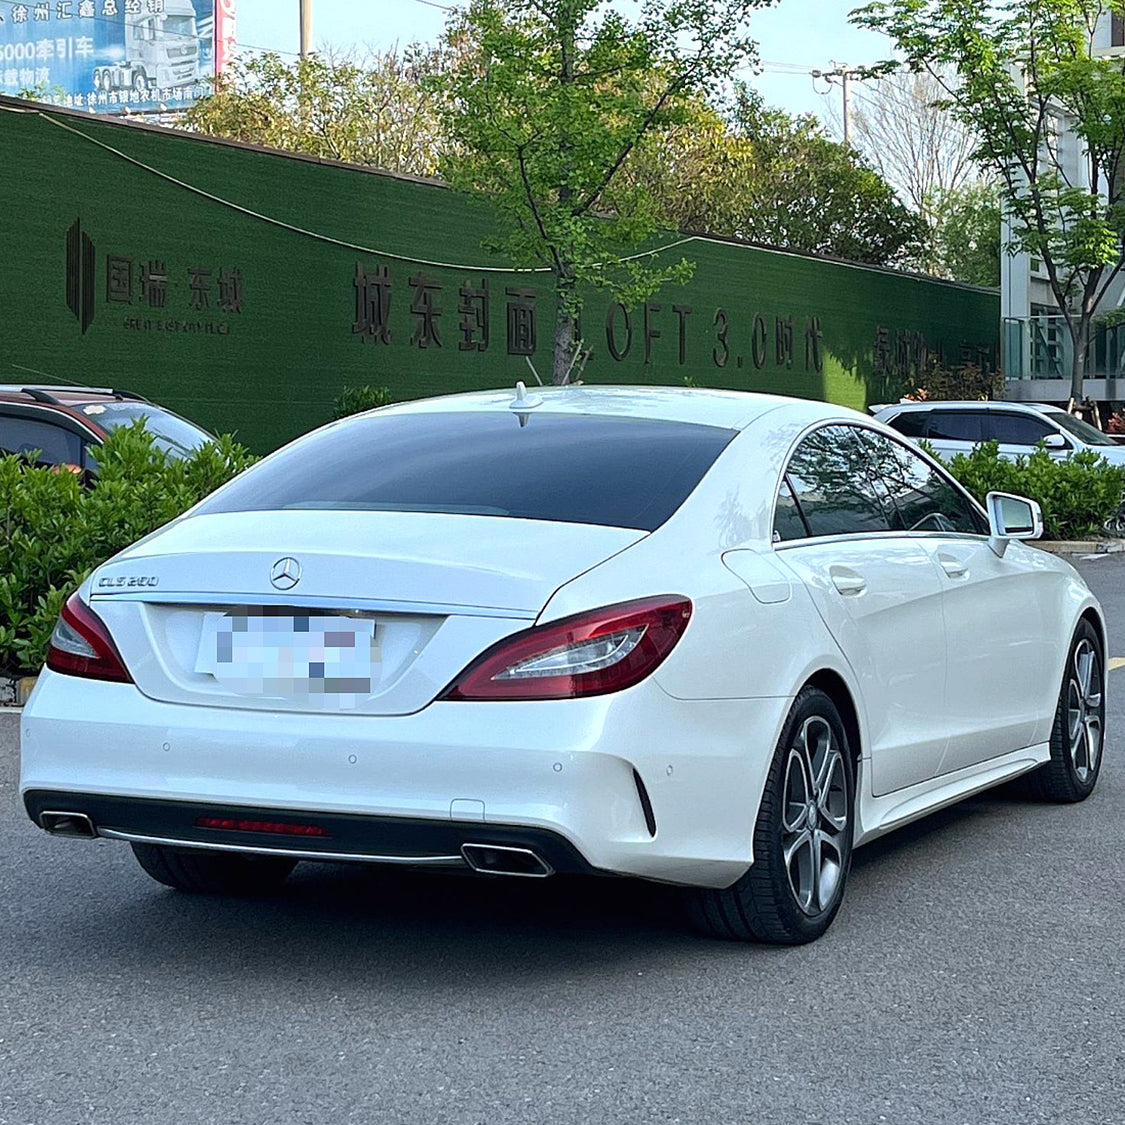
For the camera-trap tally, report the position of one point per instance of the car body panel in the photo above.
(1002, 679)
(879, 598)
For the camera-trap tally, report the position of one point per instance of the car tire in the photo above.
(1078, 732)
(807, 814)
(212, 873)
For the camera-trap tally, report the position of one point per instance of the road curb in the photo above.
(14, 690)
(1080, 546)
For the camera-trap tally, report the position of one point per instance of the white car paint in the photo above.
(951, 656)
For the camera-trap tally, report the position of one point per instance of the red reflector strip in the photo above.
(228, 824)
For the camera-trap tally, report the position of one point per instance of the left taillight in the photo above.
(81, 645)
(593, 653)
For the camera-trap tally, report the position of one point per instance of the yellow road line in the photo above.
(1116, 662)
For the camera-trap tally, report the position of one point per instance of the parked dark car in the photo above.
(65, 425)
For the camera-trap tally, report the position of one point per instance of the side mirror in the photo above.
(1056, 441)
(1011, 517)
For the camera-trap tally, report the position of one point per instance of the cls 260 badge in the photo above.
(128, 580)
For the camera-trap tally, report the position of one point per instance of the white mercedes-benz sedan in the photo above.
(708, 638)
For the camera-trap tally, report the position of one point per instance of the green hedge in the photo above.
(54, 531)
(1078, 493)
(355, 400)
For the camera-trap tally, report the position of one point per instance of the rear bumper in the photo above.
(422, 784)
(348, 838)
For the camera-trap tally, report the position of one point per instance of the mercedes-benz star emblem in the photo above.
(286, 573)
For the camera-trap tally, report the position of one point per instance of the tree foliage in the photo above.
(1025, 74)
(758, 173)
(903, 130)
(1077, 493)
(544, 106)
(966, 234)
(368, 111)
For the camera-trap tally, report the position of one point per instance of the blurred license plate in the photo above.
(290, 656)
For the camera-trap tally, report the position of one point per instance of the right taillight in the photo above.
(81, 645)
(593, 653)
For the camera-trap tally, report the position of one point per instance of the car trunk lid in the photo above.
(371, 612)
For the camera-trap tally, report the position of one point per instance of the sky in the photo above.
(794, 36)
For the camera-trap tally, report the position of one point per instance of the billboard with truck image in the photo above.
(111, 55)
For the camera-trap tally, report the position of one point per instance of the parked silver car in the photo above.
(955, 427)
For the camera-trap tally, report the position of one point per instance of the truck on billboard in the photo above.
(108, 55)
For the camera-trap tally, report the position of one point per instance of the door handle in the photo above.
(847, 581)
(955, 568)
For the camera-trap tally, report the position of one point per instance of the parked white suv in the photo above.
(955, 427)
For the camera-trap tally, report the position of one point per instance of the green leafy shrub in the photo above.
(1077, 493)
(355, 400)
(53, 531)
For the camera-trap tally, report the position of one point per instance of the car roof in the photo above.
(52, 395)
(699, 405)
(969, 404)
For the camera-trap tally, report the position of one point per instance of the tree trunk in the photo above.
(566, 330)
(566, 326)
(1080, 337)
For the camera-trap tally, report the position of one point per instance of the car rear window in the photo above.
(170, 433)
(617, 472)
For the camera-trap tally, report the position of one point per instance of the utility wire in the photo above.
(314, 234)
(685, 240)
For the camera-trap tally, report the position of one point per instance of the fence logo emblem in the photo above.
(80, 257)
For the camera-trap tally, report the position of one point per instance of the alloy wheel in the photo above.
(814, 823)
(1084, 709)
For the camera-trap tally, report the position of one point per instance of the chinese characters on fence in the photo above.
(905, 354)
(761, 338)
(129, 281)
(374, 293)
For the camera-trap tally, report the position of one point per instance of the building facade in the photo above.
(1037, 348)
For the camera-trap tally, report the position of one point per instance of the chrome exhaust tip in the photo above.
(67, 824)
(495, 859)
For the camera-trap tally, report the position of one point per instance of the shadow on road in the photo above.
(341, 921)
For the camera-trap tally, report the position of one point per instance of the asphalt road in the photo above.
(974, 975)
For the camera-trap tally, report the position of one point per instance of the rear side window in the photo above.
(55, 445)
(833, 483)
(910, 423)
(957, 425)
(787, 520)
(593, 469)
(1018, 429)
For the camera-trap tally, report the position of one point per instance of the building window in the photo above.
(1117, 31)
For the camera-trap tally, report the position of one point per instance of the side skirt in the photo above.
(879, 815)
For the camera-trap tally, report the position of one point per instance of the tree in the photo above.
(372, 111)
(915, 144)
(757, 173)
(1025, 71)
(543, 107)
(966, 226)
